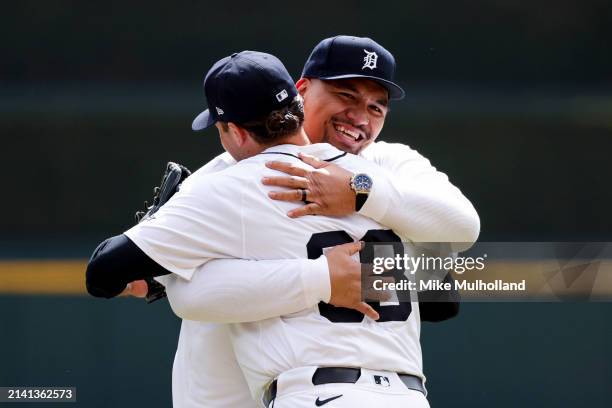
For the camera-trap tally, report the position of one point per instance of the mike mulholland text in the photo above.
(476, 285)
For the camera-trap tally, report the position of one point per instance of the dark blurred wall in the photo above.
(478, 41)
(512, 100)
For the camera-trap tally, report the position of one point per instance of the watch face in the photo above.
(362, 182)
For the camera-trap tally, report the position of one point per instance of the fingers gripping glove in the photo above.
(172, 178)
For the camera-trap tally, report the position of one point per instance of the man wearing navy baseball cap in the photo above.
(346, 85)
(241, 91)
(289, 359)
(257, 111)
(245, 86)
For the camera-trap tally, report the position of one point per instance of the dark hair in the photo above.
(278, 124)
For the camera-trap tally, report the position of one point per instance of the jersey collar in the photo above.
(323, 151)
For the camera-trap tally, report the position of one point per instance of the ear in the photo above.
(238, 134)
(302, 85)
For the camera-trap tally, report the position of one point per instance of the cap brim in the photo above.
(202, 121)
(395, 91)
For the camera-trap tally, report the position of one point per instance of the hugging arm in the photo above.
(237, 290)
(116, 262)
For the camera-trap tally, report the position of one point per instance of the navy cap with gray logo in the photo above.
(345, 56)
(243, 87)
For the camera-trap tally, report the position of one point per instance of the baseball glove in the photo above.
(171, 181)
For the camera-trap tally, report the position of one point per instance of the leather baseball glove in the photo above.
(172, 178)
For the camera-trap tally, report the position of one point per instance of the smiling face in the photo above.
(346, 113)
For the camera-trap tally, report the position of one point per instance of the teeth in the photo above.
(348, 132)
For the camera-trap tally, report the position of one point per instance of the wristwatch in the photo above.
(362, 185)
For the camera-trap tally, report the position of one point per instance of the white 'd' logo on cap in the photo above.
(369, 61)
(282, 95)
(219, 110)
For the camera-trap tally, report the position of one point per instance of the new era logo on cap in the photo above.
(219, 111)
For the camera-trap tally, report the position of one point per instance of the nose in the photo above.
(358, 115)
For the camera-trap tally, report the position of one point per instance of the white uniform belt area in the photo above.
(304, 378)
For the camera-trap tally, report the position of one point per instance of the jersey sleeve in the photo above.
(237, 290)
(417, 201)
(189, 230)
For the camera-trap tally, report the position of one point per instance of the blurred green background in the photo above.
(513, 100)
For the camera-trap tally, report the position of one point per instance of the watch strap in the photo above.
(360, 200)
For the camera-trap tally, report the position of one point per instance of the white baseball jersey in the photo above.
(230, 216)
(420, 204)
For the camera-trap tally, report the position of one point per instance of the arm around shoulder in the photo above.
(417, 201)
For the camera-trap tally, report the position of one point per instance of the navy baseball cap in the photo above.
(345, 56)
(245, 86)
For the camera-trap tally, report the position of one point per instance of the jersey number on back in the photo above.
(319, 241)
